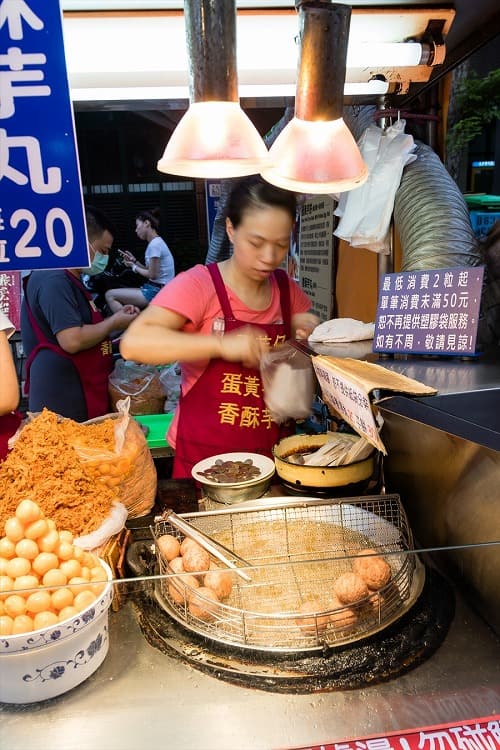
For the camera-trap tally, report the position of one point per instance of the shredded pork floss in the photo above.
(44, 466)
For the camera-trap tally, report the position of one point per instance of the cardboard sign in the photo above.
(429, 312)
(346, 386)
(42, 219)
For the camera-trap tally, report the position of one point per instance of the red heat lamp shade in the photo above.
(214, 138)
(316, 152)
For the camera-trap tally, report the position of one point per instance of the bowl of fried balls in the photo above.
(234, 477)
(54, 605)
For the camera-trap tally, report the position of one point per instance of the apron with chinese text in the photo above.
(8, 426)
(93, 365)
(225, 409)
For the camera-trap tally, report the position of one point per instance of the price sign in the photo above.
(429, 312)
(42, 219)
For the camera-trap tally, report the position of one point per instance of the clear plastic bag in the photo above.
(289, 383)
(141, 383)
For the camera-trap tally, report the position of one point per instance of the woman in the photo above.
(10, 419)
(218, 320)
(158, 268)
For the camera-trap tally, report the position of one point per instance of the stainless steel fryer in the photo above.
(297, 548)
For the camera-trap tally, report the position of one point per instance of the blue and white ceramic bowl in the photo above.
(44, 663)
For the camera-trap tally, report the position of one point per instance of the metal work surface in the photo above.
(140, 697)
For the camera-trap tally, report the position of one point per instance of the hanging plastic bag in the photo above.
(366, 212)
(289, 383)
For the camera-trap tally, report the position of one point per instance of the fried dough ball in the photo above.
(186, 543)
(376, 603)
(179, 589)
(219, 581)
(308, 624)
(342, 617)
(169, 546)
(177, 565)
(373, 569)
(195, 558)
(200, 607)
(350, 588)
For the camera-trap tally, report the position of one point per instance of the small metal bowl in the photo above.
(228, 493)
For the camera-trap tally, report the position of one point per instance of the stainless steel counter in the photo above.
(140, 697)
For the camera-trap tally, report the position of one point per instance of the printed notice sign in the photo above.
(316, 253)
(42, 220)
(429, 312)
(350, 399)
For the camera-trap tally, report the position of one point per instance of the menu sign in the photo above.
(316, 253)
(42, 221)
(429, 312)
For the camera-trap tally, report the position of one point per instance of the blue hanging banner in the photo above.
(42, 217)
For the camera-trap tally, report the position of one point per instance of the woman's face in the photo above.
(261, 240)
(141, 228)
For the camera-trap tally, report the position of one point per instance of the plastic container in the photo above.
(158, 425)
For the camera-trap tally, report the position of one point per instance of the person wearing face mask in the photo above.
(65, 338)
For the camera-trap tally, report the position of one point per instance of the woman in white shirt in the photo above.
(157, 270)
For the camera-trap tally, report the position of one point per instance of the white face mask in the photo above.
(98, 264)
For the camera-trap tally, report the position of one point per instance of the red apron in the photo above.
(8, 426)
(225, 409)
(93, 365)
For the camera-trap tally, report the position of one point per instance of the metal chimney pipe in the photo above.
(211, 44)
(324, 36)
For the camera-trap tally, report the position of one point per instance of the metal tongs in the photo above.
(213, 547)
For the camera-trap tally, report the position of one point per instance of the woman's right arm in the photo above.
(155, 338)
(9, 392)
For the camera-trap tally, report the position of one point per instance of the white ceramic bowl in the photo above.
(227, 492)
(44, 663)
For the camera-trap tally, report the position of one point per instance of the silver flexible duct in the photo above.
(432, 218)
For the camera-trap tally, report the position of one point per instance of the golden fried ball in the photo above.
(373, 569)
(220, 581)
(350, 588)
(169, 546)
(341, 617)
(203, 603)
(195, 558)
(308, 624)
(179, 589)
(177, 565)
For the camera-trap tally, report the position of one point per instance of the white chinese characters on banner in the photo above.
(42, 222)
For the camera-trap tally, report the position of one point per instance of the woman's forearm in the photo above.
(9, 391)
(152, 344)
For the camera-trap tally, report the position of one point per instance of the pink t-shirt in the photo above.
(191, 294)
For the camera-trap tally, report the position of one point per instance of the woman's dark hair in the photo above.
(254, 192)
(153, 216)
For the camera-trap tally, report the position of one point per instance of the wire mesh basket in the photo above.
(299, 551)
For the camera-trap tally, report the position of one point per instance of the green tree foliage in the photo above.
(478, 104)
